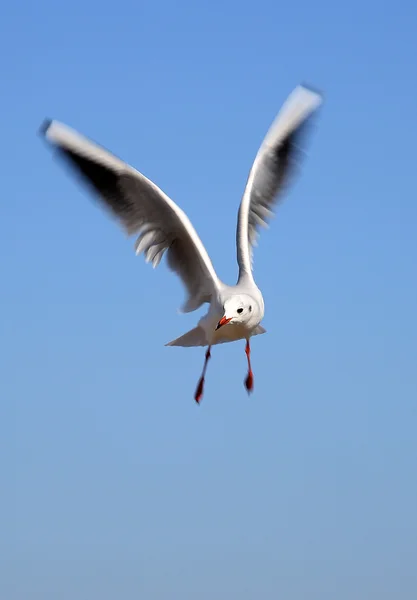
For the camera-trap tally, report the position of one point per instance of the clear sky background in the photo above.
(115, 484)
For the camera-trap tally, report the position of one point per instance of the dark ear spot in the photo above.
(250, 309)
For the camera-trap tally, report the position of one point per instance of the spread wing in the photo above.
(271, 170)
(142, 209)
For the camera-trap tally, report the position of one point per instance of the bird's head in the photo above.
(240, 309)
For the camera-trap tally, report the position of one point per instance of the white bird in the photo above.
(235, 312)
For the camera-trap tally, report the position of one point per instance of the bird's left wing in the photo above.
(142, 209)
(271, 170)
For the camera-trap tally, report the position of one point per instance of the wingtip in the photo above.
(43, 129)
(313, 89)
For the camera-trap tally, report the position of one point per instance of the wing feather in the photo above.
(272, 169)
(142, 209)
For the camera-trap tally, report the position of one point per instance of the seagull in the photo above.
(160, 226)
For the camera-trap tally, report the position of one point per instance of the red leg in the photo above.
(200, 387)
(249, 378)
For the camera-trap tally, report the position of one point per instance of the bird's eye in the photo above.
(240, 310)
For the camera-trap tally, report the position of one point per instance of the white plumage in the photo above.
(144, 210)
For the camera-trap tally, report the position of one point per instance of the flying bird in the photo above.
(160, 226)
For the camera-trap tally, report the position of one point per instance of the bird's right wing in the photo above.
(142, 209)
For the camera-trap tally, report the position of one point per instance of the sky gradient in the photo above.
(116, 485)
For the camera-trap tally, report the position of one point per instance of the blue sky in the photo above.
(116, 485)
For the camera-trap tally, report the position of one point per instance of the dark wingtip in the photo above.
(312, 88)
(43, 129)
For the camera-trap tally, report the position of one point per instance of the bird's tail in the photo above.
(195, 337)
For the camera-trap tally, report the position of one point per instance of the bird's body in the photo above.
(206, 334)
(235, 312)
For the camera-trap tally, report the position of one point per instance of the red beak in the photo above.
(223, 321)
